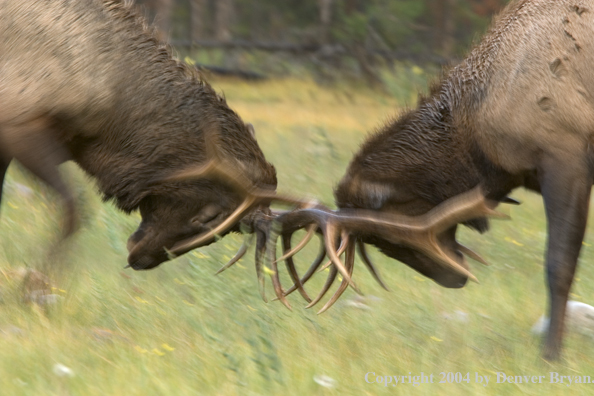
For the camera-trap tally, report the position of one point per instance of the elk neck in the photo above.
(427, 154)
(161, 134)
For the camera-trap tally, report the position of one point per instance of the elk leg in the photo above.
(3, 168)
(566, 192)
(36, 147)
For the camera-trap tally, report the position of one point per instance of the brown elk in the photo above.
(518, 111)
(88, 81)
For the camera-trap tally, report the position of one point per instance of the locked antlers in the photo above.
(341, 231)
(420, 233)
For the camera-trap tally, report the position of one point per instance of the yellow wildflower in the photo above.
(139, 349)
(268, 271)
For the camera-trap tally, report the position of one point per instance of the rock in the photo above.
(579, 318)
(62, 371)
(325, 381)
(12, 330)
(361, 302)
(457, 315)
(36, 288)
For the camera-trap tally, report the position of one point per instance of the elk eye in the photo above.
(207, 213)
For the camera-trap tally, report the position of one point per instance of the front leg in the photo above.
(36, 146)
(566, 185)
(3, 168)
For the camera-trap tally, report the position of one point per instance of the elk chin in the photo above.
(424, 265)
(149, 246)
(140, 256)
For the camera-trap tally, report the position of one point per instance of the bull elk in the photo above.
(88, 81)
(517, 112)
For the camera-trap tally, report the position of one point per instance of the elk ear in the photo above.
(250, 128)
(363, 193)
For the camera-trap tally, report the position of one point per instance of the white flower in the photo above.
(325, 381)
(62, 371)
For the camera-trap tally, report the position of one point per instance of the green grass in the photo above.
(180, 330)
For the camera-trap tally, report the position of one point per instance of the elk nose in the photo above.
(142, 263)
(449, 278)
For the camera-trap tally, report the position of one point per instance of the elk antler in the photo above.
(420, 233)
(254, 196)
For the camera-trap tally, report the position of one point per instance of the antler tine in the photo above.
(431, 248)
(311, 231)
(327, 285)
(261, 239)
(318, 261)
(247, 241)
(472, 254)
(330, 238)
(463, 207)
(322, 216)
(286, 239)
(271, 248)
(369, 264)
(253, 196)
(344, 237)
(350, 266)
(199, 240)
(312, 269)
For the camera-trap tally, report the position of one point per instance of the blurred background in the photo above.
(356, 37)
(314, 77)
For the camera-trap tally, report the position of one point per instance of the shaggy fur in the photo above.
(518, 111)
(126, 109)
(87, 80)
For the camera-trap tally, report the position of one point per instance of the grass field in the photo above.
(180, 330)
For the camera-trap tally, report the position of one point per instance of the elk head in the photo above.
(192, 206)
(342, 231)
(202, 203)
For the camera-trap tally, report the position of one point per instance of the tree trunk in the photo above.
(223, 19)
(445, 26)
(198, 12)
(325, 20)
(449, 40)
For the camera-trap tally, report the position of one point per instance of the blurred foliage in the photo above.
(403, 25)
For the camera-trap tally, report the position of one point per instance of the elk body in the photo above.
(518, 112)
(87, 81)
